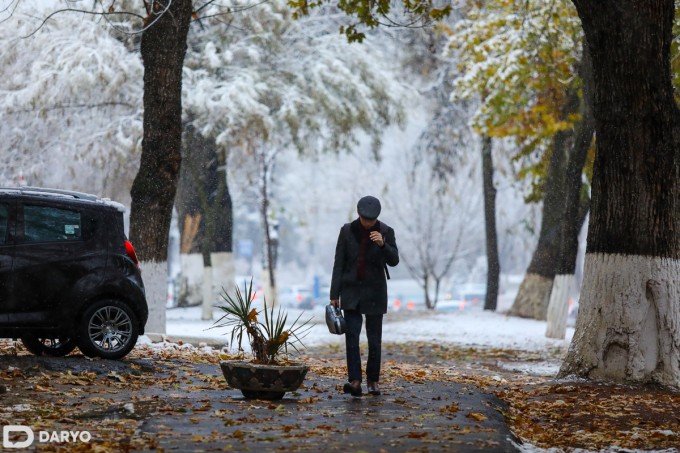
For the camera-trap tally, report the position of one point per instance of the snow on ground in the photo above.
(548, 369)
(467, 328)
(529, 448)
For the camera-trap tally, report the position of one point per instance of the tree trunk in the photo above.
(493, 263)
(163, 47)
(563, 213)
(202, 176)
(532, 296)
(576, 205)
(426, 287)
(269, 262)
(558, 308)
(628, 328)
(269, 248)
(205, 212)
(576, 201)
(196, 160)
(208, 295)
(534, 292)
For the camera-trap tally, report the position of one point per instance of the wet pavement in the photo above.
(180, 402)
(411, 417)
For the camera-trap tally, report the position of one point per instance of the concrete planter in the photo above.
(269, 382)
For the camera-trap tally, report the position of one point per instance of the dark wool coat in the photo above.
(369, 295)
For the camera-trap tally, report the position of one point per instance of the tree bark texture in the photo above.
(565, 205)
(155, 276)
(557, 242)
(628, 329)
(163, 48)
(576, 202)
(492, 260)
(202, 177)
(532, 297)
(575, 209)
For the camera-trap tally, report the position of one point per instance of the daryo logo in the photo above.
(21, 436)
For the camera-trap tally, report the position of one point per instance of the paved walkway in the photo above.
(428, 416)
(179, 401)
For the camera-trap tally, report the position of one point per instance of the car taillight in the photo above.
(131, 253)
(299, 297)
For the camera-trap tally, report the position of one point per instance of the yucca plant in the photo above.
(269, 339)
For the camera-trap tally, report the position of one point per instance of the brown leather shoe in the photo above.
(373, 388)
(353, 388)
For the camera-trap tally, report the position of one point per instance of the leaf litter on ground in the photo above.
(565, 415)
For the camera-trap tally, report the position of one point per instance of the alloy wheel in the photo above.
(110, 329)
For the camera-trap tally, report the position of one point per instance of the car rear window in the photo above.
(44, 223)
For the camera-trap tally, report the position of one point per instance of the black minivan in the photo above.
(68, 275)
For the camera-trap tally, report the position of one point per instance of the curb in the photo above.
(194, 341)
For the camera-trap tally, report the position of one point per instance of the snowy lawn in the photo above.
(466, 328)
(473, 328)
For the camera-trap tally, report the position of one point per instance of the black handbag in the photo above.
(334, 320)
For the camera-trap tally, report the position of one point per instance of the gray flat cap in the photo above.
(369, 207)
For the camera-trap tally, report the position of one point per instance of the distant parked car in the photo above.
(68, 275)
(464, 297)
(293, 296)
(405, 294)
(310, 302)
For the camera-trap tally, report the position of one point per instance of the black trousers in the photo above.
(354, 320)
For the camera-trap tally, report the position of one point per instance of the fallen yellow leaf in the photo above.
(477, 416)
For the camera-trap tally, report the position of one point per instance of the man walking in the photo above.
(365, 247)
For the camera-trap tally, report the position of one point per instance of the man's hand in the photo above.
(335, 303)
(377, 238)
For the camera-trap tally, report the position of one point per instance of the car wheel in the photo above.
(108, 329)
(50, 346)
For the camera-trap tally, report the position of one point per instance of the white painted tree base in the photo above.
(208, 294)
(558, 308)
(192, 273)
(628, 328)
(269, 291)
(155, 277)
(222, 278)
(224, 274)
(532, 297)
